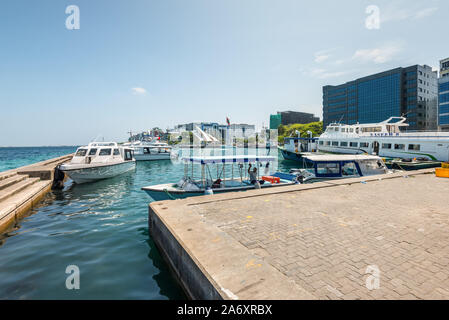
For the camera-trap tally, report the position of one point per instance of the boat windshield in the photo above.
(105, 152)
(81, 153)
(370, 167)
(328, 168)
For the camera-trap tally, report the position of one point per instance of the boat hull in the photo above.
(152, 157)
(94, 173)
(293, 156)
(160, 193)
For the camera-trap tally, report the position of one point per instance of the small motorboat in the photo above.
(232, 174)
(99, 160)
(330, 167)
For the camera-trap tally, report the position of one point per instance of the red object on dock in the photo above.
(271, 179)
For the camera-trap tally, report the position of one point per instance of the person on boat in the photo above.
(252, 174)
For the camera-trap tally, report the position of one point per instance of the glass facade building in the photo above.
(410, 91)
(443, 109)
(443, 96)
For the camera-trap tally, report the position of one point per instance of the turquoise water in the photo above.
(13, 157)
(100, 227)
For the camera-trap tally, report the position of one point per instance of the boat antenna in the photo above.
(96, 138)
(339, 121)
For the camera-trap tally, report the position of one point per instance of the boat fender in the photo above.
(208, 191)
(257, 185)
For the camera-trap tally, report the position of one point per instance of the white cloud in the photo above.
(425, 13)
(324, 73)
(139, 91)
(377, 55)
(403, 10)
(322, 56)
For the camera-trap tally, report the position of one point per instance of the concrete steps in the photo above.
(17, 187)
(21, 189)
(7, 174)
(27, 195)
(5, 183)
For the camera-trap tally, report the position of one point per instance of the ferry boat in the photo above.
(237, 166)
(99, 160)
(386, 139)
(331, 167)
(151, 150)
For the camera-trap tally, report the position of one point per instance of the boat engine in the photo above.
(58, 179)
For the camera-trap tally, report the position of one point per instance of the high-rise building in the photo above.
(291, 117)
(410, 91)
(444, 68)
(443, 96)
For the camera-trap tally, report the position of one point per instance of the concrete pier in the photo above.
(22, 188)
(382, 237)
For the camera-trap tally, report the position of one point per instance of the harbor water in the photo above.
(101, 227)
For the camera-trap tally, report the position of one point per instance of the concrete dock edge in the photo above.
(192, 279)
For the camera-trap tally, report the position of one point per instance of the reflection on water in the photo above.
(102, 228)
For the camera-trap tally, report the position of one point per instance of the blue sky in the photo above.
(139, 64)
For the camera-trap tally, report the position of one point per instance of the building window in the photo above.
(321, 143)
(415, 147)
(399, 146)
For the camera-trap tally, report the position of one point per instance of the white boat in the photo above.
(150, 150)
(99, 160)
(238, 179)
(386, 139)
(331, 167)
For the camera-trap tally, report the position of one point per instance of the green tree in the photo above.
(290, 131)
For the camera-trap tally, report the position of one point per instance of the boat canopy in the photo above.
(226, 159)
(343, 157)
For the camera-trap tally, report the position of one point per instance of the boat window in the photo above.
(343, 144)
(81, 153)
(335, 143)
(372, 129)
(128, 155)
(364, 144)
(116, 152)
(349, 169)
(93, 152)
(328, 143)
(337, 129)
(386, 145)
(351, 130)
(399, 146)
(321, 143)
(328, 168)
(354, 144)
(105, 152)
(416, 147)
(146, 150)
